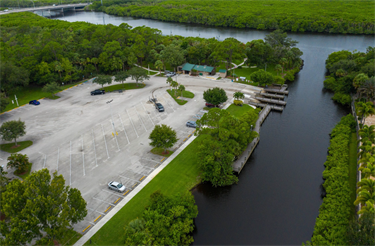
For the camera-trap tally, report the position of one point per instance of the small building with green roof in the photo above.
(223, 73)
(203, 70)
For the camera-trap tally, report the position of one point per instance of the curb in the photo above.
(134, 192)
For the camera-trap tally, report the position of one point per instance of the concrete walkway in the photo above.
(235, 65)
(132, 194)
(157, 72)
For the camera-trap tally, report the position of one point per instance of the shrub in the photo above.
(238, 102)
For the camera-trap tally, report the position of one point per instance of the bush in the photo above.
(238, 102)
(334, 213)
(279, 80)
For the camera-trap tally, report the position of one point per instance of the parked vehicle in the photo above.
(159, 107)
(171, 74)
(34, 102)
(116, 186)
(191, 123)
(97, 92)
(210, 105)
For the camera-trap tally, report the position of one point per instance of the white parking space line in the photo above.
(148, 114)
(105, 141)
(93, 142)
(119, 195)
(137, 181)
(140, 119)
(124, 128)
(94, 210)
(167, 100)
(132, 123)
(115, 133)
(104, 201)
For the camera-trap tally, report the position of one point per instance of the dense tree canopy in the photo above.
(334, 16)
(40, 208)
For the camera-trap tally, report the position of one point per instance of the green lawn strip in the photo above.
(32, 92)
(186, 94)
(24, 174)
(180, 175)
(70, 238)
(237, 111)
(179, 101)
(126, 86)
(22, 145)
(353, 170)
(160, 151)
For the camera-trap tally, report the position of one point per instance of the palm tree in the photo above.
(369, 208)
(359, 80)
(366, 148)
(364, 197)
(368, 133)
(181, 88)
(365, 110)
(238, 95)
(159, 65)
(366, 185)
(368, 170)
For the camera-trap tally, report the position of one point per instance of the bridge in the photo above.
(48, 9)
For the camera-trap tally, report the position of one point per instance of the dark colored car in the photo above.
(97, 92)
(191, 123)
(159, 107)
(34, 102)
(210, 105)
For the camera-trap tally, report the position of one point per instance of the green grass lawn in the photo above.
(186, 94)
(180, 175)
(126, 86)
(32, 92)
(179, 101)
(22, 145)
(71, 238)
(24, 174)
(353, 170)
(160, 151)
(237, 111)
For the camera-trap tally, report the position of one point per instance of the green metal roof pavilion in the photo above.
(201, 68)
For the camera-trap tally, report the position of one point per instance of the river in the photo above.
(279, 193)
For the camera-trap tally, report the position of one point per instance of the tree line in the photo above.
(351, 73)
(39, 51)
(337, 16)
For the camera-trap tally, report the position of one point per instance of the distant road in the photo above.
(63, 6)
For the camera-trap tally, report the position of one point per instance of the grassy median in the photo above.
(353, 170)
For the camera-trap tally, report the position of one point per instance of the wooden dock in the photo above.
(242, 159)
(272, 95)
(277, 91)
(263, 105)
(273, 101)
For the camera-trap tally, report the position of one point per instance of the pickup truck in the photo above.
(97, 92)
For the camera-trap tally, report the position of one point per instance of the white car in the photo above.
(113, 185)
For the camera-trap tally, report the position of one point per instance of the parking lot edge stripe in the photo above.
(86, 228)
(189, 135)
(142, 178)
(185, 139)
(108, 208)
(125, 193)
(118, 199)
(134, 185)
(97, 218)
(162, 159)
(193, 131)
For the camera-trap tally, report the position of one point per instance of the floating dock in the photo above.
(272, 95)
(263, 105)
(273, 101)
(277, 91)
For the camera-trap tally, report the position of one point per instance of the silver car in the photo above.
(113, 185)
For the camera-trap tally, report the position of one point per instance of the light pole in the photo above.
(33, 3)
(113, 123)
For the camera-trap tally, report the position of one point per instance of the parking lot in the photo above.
(92, 142)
